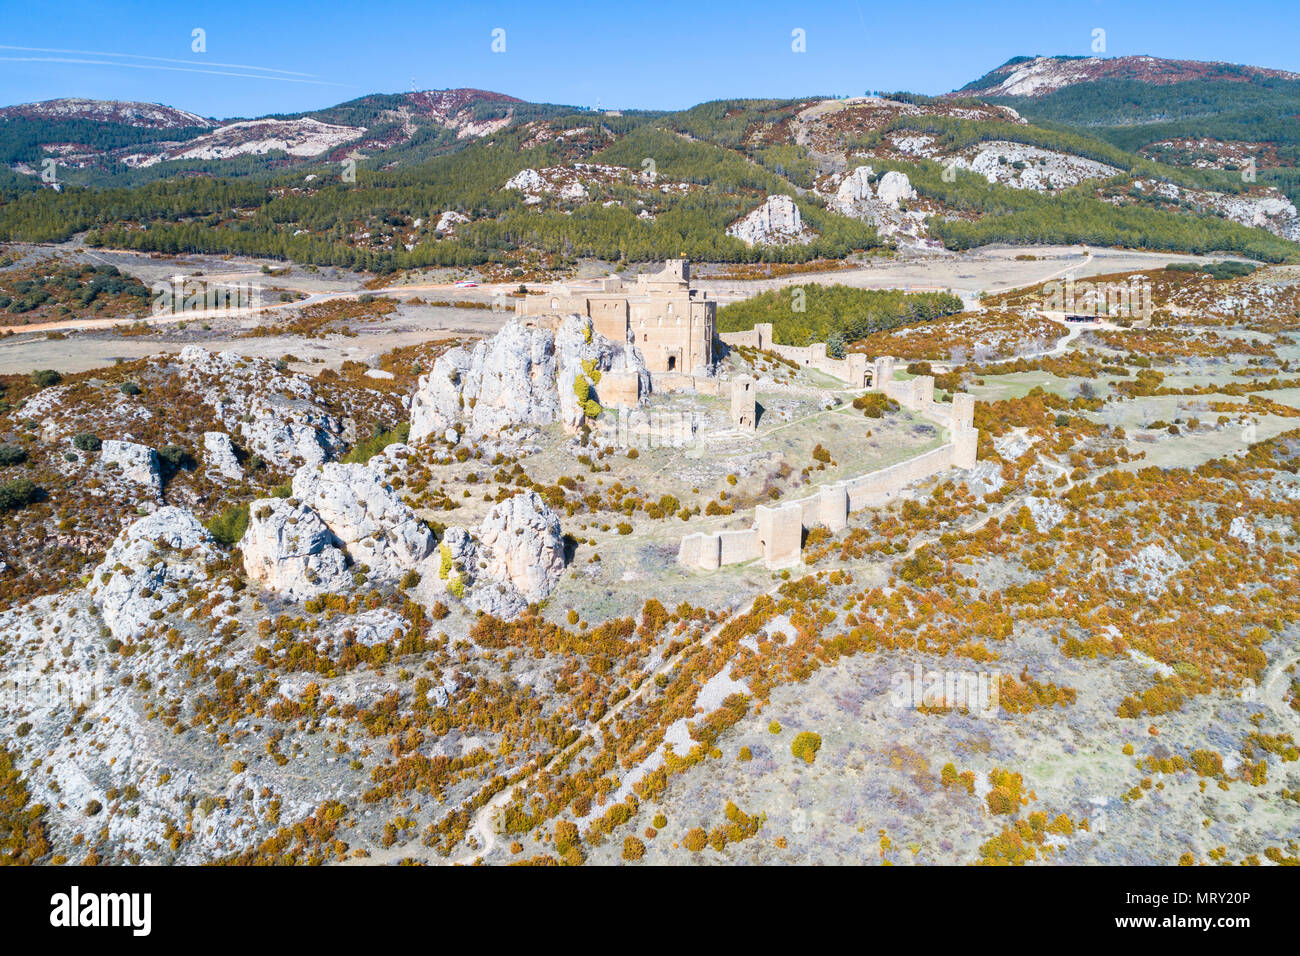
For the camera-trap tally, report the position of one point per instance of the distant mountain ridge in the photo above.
(126, 113)
(1199, 157)
(131, 142)
(1041, 75)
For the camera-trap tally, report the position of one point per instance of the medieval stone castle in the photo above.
(672, 324)
(675, 329)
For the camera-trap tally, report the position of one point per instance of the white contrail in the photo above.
(141, 56)
(172, 69)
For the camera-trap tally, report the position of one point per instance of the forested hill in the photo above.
(1135, 101)
(465, 178)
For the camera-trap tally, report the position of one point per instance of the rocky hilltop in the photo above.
(1039, 75)
(776, 222)
(522, 376)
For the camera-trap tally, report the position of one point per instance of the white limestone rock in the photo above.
(1029, 167)
(1046, 512)
(520, 542)
(374, 525)
(439, 398)
(275, 412)
(377, 626)
(1241, 529)
(776, 222)
(138, 463)
(448, 222)
(575, 192)
(522, 376)
(279, 439)
(1150, 568)
(893, 188)
(146, 565)
(526, 181)
(289, 549)
(855, 188)
(516, 557)
(219, 455)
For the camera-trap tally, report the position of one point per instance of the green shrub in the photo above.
(12, 455)
(875, 404)
(129, 388)
(362, 452)
(18, 493)
(45, 377)
(87, 442)
(229, 526)
(175, 457)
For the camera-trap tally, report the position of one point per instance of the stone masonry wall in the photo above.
(777, 533)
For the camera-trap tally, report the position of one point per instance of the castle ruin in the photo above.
(744, 404)
(672, 324)
(777, 533)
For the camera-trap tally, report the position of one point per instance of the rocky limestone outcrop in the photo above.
(893, 188)
(854, 197)
(219, 456)
(515, 558)
(1150, 568)
(374, 525)
(276, 413)
(1241, 529)
(1271, 211)
(146, 565)
(285, 435)
(521, 376)
(137, 463)
(526, 181)
(777, 222)
(574, 192)
(520, 542)
(289, 549)
(855, 188)
(448, 222)
(1263, 208)
(1046, 512)
(1028, 167)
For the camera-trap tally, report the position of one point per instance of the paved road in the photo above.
(201, 315)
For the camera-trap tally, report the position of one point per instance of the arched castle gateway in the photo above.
(672, 324)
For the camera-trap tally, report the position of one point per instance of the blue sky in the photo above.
(288, 56)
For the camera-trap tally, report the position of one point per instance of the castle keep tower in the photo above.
(672, 324)
(744, 406)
